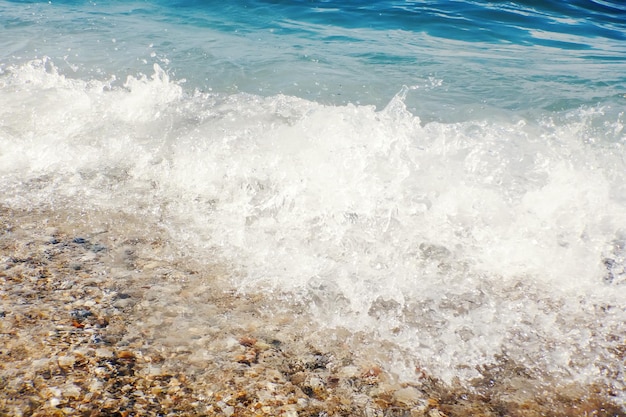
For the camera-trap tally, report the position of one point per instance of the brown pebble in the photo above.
(332, 381)
(247, 341)
(126, 354)
(433, 402)
(248, 358)
(102, 322)
(298, 378)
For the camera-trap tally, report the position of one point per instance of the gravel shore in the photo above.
(96, 319)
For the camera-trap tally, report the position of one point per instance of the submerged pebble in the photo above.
(97, 247)
(408, 396)
(80, 314)
(207, 352)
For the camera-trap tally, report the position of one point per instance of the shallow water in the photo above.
(445, 176)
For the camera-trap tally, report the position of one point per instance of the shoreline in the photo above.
(100, 320)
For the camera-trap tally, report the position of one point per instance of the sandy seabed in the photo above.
(100, 316)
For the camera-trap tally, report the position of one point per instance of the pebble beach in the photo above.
(97, 320)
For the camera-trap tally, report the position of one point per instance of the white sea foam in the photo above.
(456, 241)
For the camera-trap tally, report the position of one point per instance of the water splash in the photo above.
(456, 242)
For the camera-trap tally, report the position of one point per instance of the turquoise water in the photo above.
(523, 56)
(449, 176)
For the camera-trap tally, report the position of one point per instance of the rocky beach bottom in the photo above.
(96, 319)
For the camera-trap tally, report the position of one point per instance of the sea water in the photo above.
(446, 176)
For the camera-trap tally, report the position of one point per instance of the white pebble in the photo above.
(104, 353)
(66, 361)
(407, 396)
(71, 391)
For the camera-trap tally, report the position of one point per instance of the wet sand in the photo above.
(105, 318)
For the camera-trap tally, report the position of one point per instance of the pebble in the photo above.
(66, 361)
(97, 247)
(348, 372)
(298, 378)
(95, 385)
(104, 353)
(80, 314)
(315, 382)
(123, 303)
(71, 391)
(51, 231)
(408, 396)
(125, 354)
(40, 363)
(154, 370)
